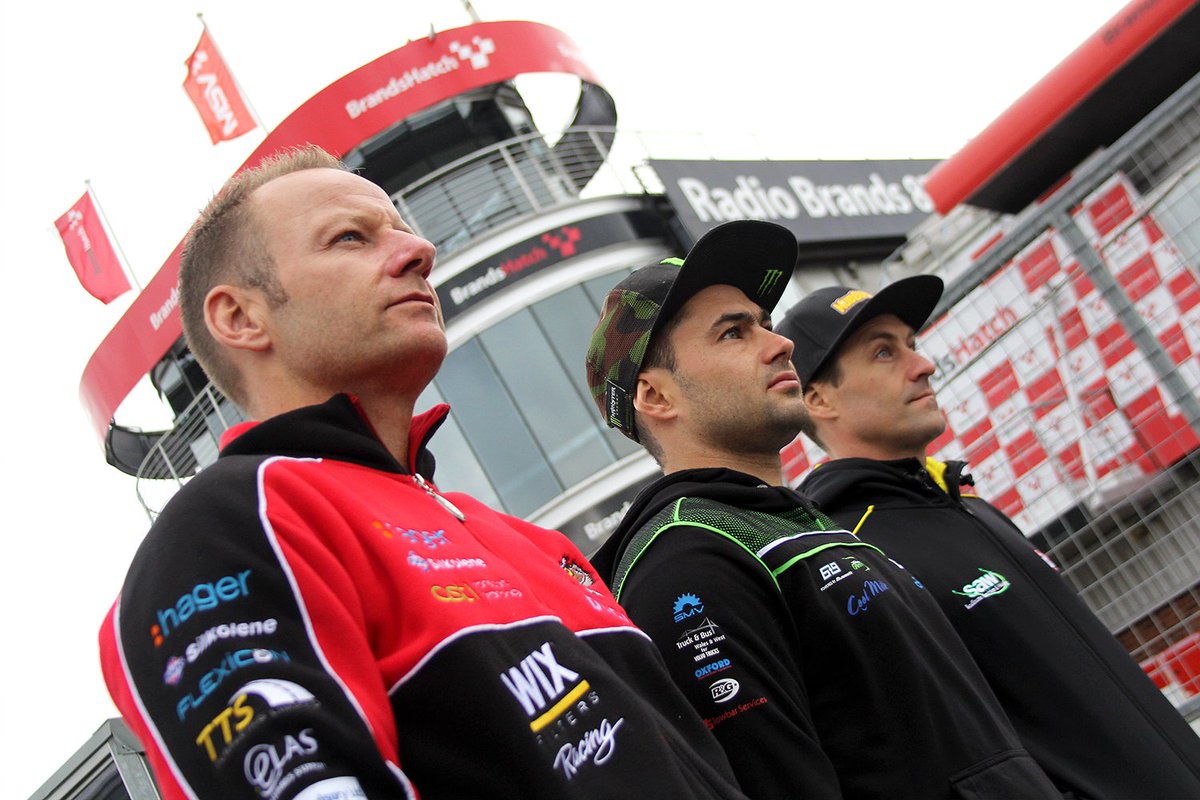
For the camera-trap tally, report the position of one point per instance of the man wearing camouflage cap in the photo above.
(821, 665)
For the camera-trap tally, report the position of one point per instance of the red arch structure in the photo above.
(340, 117)
(1097, 93)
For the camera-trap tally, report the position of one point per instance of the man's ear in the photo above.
(654, 396)
(236, 317)
(821, 401)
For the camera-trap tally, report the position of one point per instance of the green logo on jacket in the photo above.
(989, 584)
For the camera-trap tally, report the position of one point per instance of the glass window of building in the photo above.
(492, 423)
(458, 469)
(546, 397)
(568, 319)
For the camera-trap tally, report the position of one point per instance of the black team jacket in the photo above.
(822, 666)
(1080, 704)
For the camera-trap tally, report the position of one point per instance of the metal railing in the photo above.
(455, 206)
(1110, 342)
(185, 449)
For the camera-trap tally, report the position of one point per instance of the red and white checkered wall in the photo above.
(1044, 392)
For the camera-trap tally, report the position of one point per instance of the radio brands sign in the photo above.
(492, 275)
(819, 201)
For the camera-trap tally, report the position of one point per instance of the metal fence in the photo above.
(1068, 348)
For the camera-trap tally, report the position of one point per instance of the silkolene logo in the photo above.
(201, 597)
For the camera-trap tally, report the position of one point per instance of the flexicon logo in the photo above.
(477, 52)
(770, 278)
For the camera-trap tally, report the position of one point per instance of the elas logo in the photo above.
(543, 687)
(264, 764)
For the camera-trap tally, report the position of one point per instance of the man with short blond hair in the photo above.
(311, 617)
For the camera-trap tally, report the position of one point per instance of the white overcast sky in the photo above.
(91, 90)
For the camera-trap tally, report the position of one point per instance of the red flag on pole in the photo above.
(210, 86)
(90, 252)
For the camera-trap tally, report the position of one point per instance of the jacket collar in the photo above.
(336, 429)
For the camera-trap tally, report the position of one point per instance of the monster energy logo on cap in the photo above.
(770, 278)
(754, 256)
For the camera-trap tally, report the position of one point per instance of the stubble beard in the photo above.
(731, 428)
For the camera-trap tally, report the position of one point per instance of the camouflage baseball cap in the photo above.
(754, 256)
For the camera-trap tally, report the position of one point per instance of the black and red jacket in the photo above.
(308, 619)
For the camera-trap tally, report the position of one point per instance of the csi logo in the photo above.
(454, 593)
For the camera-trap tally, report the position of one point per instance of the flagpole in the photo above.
(112, 236)
(471, 11)
(245, 97)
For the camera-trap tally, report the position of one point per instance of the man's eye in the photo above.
(732, 333)
(883, 352)
(349, 236)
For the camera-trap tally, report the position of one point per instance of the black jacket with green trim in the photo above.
(1082, 706)
(822, 666)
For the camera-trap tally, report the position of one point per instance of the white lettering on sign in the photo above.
(400, 84)
(214, 95)
(749, 198)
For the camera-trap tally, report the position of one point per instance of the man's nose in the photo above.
(414, 254)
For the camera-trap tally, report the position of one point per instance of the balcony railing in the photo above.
(455, 206)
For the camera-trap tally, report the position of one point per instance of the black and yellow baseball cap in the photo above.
(822, 322)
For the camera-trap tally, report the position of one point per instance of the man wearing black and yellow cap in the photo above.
(1081, 706)
(821, 665)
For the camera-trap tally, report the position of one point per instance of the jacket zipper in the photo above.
(441, 501)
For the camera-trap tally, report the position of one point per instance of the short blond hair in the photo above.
(226, 245)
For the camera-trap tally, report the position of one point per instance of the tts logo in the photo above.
(477, 52)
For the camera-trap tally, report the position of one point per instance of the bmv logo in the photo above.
(477, 52)
(687, 605)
